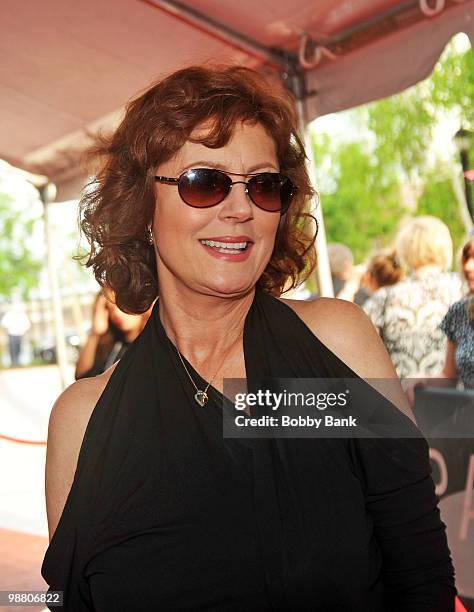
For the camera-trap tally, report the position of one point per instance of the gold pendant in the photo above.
(201, 397)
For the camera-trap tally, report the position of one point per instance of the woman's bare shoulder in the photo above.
(67, 425)
(323, 314)
(348, 332)
(81, 397)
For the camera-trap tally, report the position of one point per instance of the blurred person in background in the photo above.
(458, 325)
(383, 270)
(345, 276)
(408, 314)
(341, 261)
(113, 331)
(16, 323)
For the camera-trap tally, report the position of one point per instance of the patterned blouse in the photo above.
(408, 316)
(459, 328)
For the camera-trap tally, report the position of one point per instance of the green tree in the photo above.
(402, 126)
(362, 178)
(452, 84)
(19, 268)
(362, 208)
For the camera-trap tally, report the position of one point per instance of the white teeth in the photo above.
(225, 245)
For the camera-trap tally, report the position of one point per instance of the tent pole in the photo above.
(295, 80)
(220, 31)
(323, 271)
(46, 195)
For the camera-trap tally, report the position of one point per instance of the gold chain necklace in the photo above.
(201, 396)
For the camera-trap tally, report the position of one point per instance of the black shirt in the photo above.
(166, 514)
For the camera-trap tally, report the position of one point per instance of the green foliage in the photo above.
(362, 211)
(452, 84)
(402, 128)
(19, 269)
(388, 147)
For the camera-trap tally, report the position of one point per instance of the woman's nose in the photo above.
(237, 205)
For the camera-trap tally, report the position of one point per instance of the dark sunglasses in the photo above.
(205, 187)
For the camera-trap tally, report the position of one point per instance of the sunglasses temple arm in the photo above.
(166, 179)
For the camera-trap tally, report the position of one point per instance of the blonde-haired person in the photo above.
(408, 314)
(425, 242)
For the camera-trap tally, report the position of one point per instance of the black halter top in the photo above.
(164, 513)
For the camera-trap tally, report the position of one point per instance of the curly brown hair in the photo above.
(117, 206)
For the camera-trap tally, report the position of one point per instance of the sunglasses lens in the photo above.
(271, 191)
(203, 187)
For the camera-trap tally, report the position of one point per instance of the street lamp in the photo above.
(462, 140)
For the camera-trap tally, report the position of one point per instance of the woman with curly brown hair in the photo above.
(202, 202)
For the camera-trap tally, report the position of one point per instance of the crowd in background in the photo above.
(423, 312)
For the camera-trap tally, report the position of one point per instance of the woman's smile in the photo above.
(227, 248)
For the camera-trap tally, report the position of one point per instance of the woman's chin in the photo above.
(226, 286)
